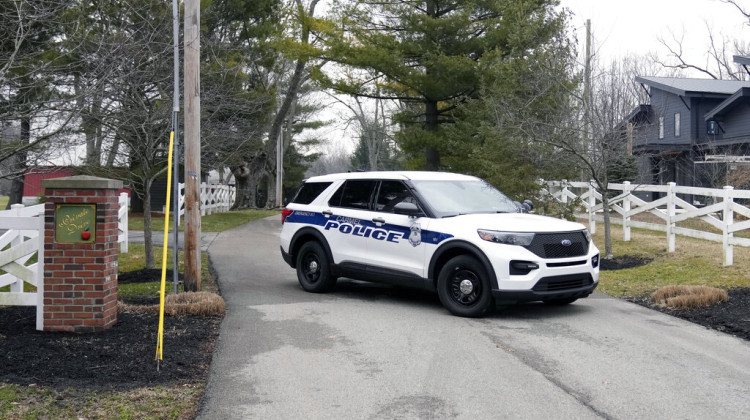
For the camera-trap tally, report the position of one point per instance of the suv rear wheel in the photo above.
(313, 270)
(463, 287)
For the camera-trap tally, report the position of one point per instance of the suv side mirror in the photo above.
(408, 209)
(524, 207)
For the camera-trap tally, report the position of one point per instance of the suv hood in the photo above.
(516, 222)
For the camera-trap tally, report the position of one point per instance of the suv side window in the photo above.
(309, 191)
(355, 194)
(392, 193)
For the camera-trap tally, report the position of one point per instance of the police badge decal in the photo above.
(415, 237)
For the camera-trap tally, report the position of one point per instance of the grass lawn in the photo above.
(135, 260)
(212, 223)
(694, 262)
(26, 402)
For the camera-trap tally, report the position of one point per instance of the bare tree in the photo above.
(130, 108)
(333, 159)
(549, 119)
(29, 98)
(372, 121)
(718, 62)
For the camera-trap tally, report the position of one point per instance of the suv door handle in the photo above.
(378, 220)
(327, 213)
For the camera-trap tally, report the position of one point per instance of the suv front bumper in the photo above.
(549, 288)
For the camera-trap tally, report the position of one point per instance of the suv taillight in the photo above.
(284, 214)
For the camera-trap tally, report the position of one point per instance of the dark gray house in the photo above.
(693, 130)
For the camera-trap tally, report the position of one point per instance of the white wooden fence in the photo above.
(717, 209)
(23, 229)
(122, 222)
(24, 237)
(215, 198)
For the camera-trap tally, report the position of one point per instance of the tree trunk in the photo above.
(607, 225)
(432, 156)
(18, 166)
(373, 150)
(247, 177)
(271, 194)
(113, 152)
(92, 129)
(147, 230)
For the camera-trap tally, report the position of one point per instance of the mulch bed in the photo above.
(123, 357)
(731, 317)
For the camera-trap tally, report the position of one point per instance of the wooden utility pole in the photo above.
(587, 95)
(192, 146)
(280, 167)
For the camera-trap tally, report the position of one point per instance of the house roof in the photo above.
(723, 108)
(641, 111)
(693, 87)
(745, 61)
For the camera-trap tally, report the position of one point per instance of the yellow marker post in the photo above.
(160, 335)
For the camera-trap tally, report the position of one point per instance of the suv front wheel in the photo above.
(313, 270)
(463, 287)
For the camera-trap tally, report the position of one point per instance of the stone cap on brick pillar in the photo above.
(85, 182)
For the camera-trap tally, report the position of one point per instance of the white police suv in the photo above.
(455, 234)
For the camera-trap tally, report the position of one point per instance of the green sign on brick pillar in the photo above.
(80, 274)
(75, 223)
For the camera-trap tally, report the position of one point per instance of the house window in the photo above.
(712, 128)
(677, 124)
(661, 127)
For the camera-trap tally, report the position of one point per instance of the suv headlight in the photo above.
(508, 238)
(587, 234)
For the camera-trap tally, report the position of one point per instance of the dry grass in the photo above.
(695, 262)
(188, 303)
(687, 297)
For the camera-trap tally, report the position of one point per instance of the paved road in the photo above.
(372, 352)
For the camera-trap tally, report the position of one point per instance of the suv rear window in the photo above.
(309, 191)
(354, 194)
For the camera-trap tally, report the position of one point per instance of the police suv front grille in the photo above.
(552, 245)
(562, 283)
(566, 264)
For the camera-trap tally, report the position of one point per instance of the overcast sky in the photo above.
(633, 26)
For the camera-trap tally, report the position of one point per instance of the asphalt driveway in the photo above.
(374, 352)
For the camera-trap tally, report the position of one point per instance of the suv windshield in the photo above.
(451, 198)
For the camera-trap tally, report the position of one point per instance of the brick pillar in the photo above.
(80, 270)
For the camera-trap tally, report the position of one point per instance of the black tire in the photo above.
(313, 269)
(560, 302)
(475, 297)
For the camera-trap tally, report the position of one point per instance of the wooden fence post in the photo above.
(627, 190)
(728, 220)
(592, 205)
(15, 210)
(670, 217)
(122, 223)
